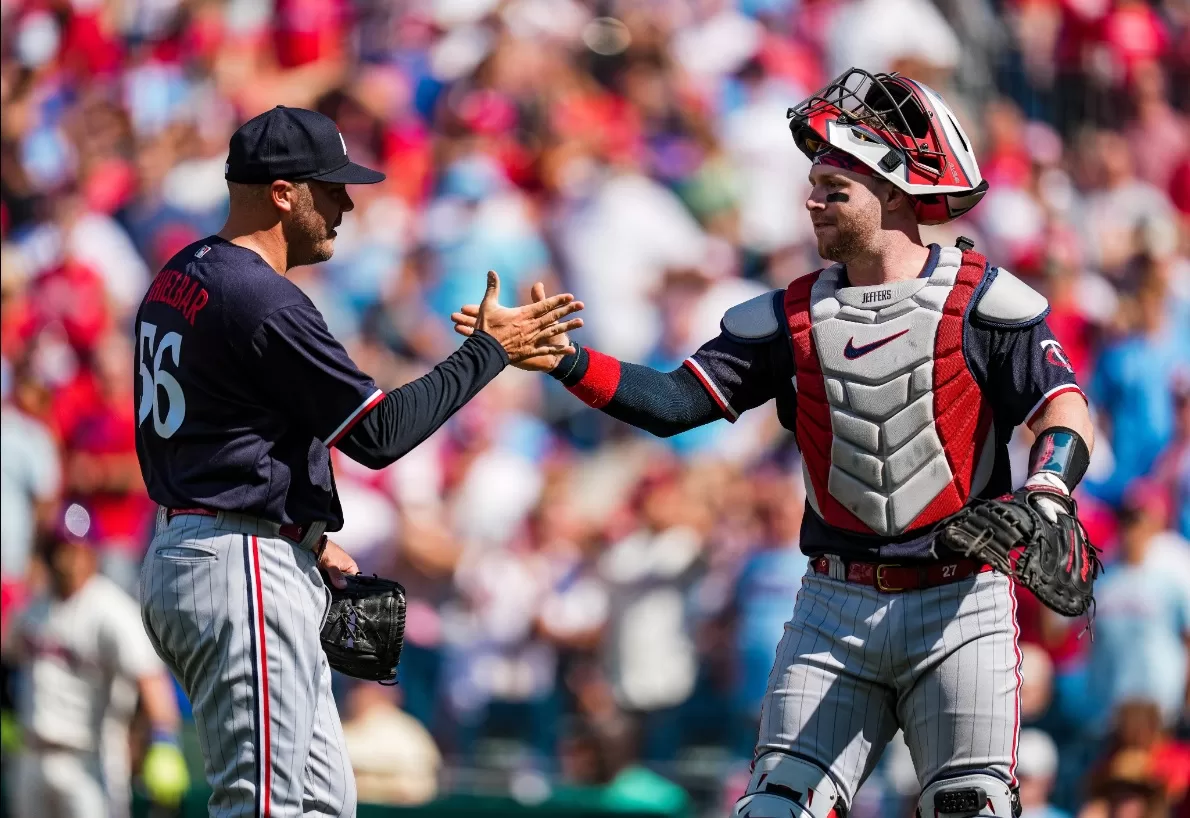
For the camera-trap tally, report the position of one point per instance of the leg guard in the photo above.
(783, 786)
(978, 795)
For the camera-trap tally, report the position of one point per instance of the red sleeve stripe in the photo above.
(354, 418)
(712, 389)
(1049, 396)
(599, 383)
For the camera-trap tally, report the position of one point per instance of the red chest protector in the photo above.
(895, 433)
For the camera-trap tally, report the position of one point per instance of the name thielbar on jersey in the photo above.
(179, 291)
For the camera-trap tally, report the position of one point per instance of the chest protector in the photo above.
(895, 433)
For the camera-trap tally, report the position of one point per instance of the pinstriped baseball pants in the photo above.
(235, 611)
(943, 664)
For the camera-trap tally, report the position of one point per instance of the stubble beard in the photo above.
(848, 240)
(307, 235)
(841, 247)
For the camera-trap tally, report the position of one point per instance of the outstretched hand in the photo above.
(533, 335)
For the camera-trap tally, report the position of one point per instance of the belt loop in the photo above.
(162, 521)
(838, 568)
(313, 535)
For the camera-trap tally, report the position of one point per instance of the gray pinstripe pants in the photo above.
(942, 664)
(235, 611)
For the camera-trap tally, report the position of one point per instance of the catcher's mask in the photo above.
(900, 130)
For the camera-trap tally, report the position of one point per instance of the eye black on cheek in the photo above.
(838, 196)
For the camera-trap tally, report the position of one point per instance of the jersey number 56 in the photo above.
(154, 381)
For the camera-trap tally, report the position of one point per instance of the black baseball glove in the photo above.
(1033, 535)
(365, 628)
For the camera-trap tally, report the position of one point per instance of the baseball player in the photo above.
(902, 369)
(86, 660)
(242, 391)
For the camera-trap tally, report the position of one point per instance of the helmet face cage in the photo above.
(881, 105)
(899, 128)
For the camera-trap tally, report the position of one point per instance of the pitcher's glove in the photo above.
(1034, 536)
(365, 628)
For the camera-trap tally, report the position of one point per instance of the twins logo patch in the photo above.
(1056, 356)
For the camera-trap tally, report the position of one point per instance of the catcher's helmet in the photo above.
(901, 131)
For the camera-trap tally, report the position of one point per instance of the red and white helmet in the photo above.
(895, 128)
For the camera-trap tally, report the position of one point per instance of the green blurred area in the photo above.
(567, 805)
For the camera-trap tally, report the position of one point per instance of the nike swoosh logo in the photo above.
(851, 351)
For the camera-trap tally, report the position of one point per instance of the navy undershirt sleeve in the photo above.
(408, 415)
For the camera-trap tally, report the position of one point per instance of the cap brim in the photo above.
(351, 174)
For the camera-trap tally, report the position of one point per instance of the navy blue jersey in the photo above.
(242, 390)
(1018, 369)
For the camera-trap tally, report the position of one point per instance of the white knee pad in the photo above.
(786, 787)
(978, 795)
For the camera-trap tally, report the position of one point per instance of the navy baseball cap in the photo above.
(292, 144)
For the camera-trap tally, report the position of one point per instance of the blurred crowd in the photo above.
(592, 610)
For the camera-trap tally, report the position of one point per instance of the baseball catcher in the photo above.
(902, 369)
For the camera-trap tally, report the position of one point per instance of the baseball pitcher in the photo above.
(242, 392)
(902, 369)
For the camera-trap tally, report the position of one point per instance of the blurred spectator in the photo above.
(394, 757)
(96, 423)
(1158, 135)
(1172, 469)
(1131, 384)
(480, 222)
(601, 760)
(1037, 765)
(763, 597)
(1142, 624)
(883, 35)
(1142, 771)
(30, 479)
(617, 232)
(81, 645)
(1117, 205)
(1037, 687)
(649, 648)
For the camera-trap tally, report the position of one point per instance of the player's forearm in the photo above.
(1069, 410)
(411, 413)
(161, 709)
(1062, 452)
(661, 403)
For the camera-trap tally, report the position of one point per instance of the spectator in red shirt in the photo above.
(101, 468)
(1158, 135)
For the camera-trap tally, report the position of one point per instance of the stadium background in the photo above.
(593, 612)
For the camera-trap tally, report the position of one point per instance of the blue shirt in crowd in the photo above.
(765, 592)
(1142, 619)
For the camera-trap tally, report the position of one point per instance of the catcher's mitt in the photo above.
(1033, 535)
(365, 628)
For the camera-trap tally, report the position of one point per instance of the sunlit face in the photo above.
(845, 211)
(317, 209)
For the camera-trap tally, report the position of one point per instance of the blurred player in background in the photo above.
(87, 659)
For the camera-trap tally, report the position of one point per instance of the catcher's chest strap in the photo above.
(891, 578)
